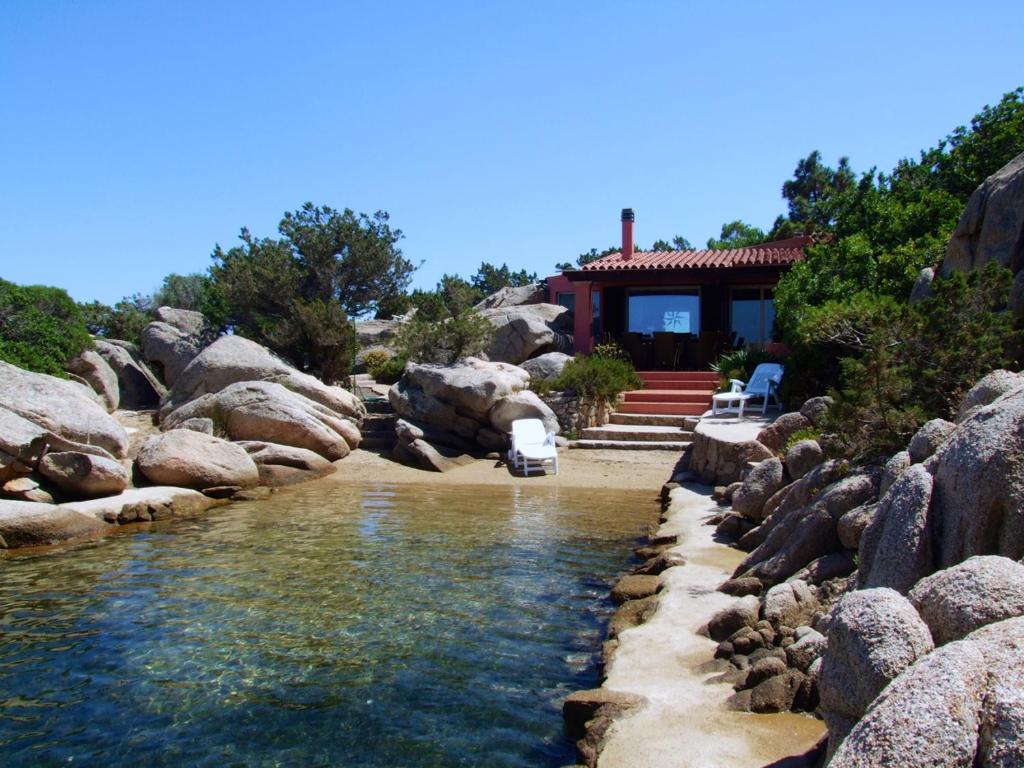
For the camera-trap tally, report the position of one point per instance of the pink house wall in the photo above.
(583, 342)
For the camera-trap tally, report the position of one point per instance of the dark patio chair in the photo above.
(666, 353)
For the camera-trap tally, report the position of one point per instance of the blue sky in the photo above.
(136, 135)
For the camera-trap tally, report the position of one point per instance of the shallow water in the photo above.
(332, 625)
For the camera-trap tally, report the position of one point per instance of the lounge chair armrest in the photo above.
(550, 439)
(737, 385)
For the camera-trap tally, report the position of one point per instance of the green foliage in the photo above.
(880, 230)
(385, 368)
(740, 364)
(596, 380)
(612, 350)
(902, 365)
(389, 371)
(446, 339)
(808, 433)
(296, 294)
(184, 292)
(679, 243)
(737, 234)
(41, 328)
(489, 278)
(125, 320)
(593, 255)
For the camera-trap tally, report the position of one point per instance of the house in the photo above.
(675, 309)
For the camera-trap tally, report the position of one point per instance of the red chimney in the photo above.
(627, 232)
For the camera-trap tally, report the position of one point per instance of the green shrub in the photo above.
(901, 365)
(612, 350)
(808, 433)
(740, 364)
(597, 382)
(444, 341)
(389, 371)
(375, 358)
(41, 328)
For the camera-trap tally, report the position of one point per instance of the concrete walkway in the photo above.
(686, 724)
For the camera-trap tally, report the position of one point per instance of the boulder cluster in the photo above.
(232, 417)
(449, 412)
(888, 599)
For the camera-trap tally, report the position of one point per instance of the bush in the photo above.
(597, 382)
(612, 350)
(389, 371)
(444, 341)
(902, 365)
(740, 364)
(41, 328)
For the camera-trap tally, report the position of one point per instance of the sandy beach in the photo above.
(643, 471)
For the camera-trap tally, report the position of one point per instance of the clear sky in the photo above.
(136, 135)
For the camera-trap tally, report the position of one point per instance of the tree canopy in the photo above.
(41, 328)
(737, 234)
(297, 293)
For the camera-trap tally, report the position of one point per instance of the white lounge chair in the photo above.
(764, 383)
(532, 447)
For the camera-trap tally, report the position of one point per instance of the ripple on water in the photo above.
(332, 625)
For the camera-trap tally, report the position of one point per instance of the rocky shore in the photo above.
(886, 600)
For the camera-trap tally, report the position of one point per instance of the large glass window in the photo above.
(676, 312)
(752, 315)
(566, 299)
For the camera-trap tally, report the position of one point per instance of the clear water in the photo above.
(330, 626)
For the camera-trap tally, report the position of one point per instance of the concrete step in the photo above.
(374, 441)
(630, 445)
(666, 409)
(649, 419)
(641, 434)
(378, 406)
(668, 396)
(709, 377)
(375, 421)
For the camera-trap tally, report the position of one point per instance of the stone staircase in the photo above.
(378, 428)
(661, 416)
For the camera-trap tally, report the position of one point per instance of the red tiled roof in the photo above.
(780, 253)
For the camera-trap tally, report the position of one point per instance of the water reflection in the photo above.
(333, 625)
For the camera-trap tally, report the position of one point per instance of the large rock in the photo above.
(141, 505)
(547, 366)
(988, 389)
(776, 434)
(873, 635)
(893, 468)
(140, 389)
(170, 349)
(269, 412)
(471, 385)
(101, 377)
(25, 442)
(522, 405)
(929, 438)
(189, 322)
(763, 481)
(84, 475)
(522, 332)
(28, 524)
(417, 452)
(286, 465)
(194, 460)
(802, 458)
(377, 333)
(816, 409)
(959, 706)
(514, 297)
(852, 525)
(991, 228)
(978, 501)
(792, 604)
(57, 407)
(979, 591)
(797, 536)
(896, 548)
(232, 359)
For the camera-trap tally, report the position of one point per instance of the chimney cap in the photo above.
(628, 215)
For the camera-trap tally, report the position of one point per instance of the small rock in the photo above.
(791, 603)
(742, 613)
(802, 653)
(929, 439)
(893, 468)
(802, 458)
(741, 586)
(84, 475)
(816, 409)
(632, 613)
(777, 693)
(635, 587)
(764, 669)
